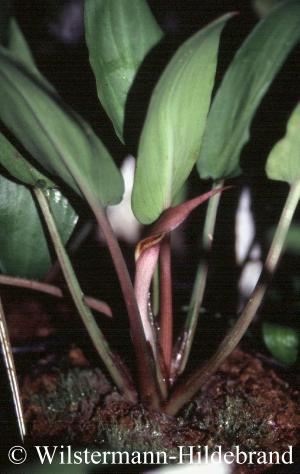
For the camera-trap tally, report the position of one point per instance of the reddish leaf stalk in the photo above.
(166, 302)
(185, 341)
(145, 362)
(187, 390)
(147, 253)
(53, 290)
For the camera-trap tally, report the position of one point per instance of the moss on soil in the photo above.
(243, 404)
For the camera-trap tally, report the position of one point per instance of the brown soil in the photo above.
(34, 319)
(27, 321)
(244, 404)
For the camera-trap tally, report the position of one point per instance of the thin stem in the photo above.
(97, 305)
(145, 361)
(74, 244)
(186, 339)
(192, 385)
(11, 371)
(94, 331)
(166, 303)
(52, 290)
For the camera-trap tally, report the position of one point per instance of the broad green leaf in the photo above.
(263, 7)
(172, 133)
(54, 135)
(119, 34)
(20, 50)
(182, 195)
(20, 168)
(18, 46)
(244, 85)
(282, 342)
(24, 249)
(283, 162)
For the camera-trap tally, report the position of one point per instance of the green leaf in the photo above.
(244, 85)
(172, 133)
(283, 162)
(54, 135)
(182, 195)
(20, 50)
(24, 249)
(263, 7)
(119, 35)
(18, 46)
(20, 168)
(282, 342)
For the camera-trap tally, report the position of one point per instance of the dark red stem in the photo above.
(145, 362)
(166, 302)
